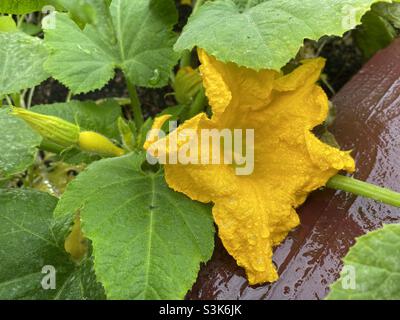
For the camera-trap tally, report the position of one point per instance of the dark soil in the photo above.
(153, 100)
(344, 60)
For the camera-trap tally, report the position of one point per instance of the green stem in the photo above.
(22, 98)
(186, 59)
(197, 6)
(30, 97)
(16, 98)
(198, 105)
(120, 101)
(364, 189)
(31, 177)
(8, 99)
(135, 104)
(49, 146)
(69, 96)
(20, 20)
(248, 4)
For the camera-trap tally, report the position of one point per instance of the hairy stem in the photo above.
(186, 59)
(135, 105)
(16, 98)
(197, 6)
(8, 99)
(30, 97)
(198, 105)
(364, 189)
(20, 20)
(69, 96)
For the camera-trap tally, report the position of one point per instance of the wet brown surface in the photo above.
(368, 122)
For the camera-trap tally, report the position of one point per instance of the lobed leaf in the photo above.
(374, 34)
(135, 36)
(148, 241)
(267, 35)
(22, 6)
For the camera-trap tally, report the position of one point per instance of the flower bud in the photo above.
(96, 143)
(52, 129)
(57, 132)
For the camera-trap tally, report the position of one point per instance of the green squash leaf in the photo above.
(21, 62)
(375, 261)
(135, 36)
(29, 243)
(18, 144)
(269, 34)
(22, 6)
(388, 11)
(156, 237)
(85, 11)
(30, 28)
(374, 34)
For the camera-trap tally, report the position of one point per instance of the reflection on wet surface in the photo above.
(368, 122)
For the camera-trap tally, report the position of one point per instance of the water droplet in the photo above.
(83, 49)
(155, 79)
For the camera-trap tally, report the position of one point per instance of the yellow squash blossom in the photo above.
(254, 213)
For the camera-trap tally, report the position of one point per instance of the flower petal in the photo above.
(233, 86)
(254, 213)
